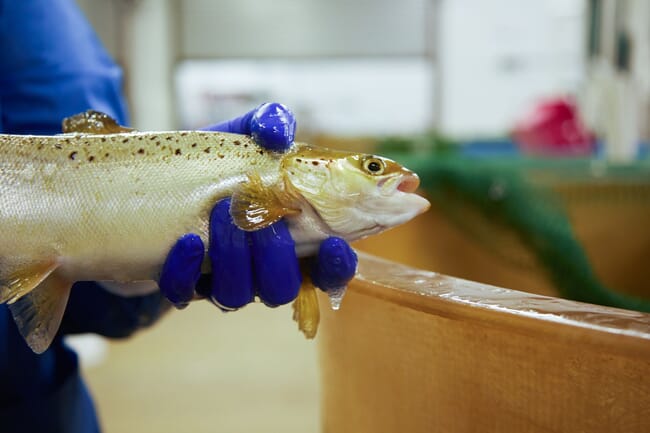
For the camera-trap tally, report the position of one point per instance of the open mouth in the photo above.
(409, 183)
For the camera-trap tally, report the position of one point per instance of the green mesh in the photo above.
(510, 207)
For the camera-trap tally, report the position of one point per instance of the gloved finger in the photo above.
(230, 257)
(182, 270)
(276, 267)
(238, 125)
(335, 264)
(272, 126)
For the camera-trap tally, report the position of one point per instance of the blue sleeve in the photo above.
(93, 309)
(52, 65)
(41, 393)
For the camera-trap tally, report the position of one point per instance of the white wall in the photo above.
(301, 28)
(354, 97)
(499, 56)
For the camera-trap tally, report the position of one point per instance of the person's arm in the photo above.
(52, 65)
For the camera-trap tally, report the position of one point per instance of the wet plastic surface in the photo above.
(417, 351)
(548, 310)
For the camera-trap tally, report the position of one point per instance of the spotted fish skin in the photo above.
(132, 193)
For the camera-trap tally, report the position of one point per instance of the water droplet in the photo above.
(336, 296)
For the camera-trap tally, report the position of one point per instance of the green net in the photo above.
(516, 207)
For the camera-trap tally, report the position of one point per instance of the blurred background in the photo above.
(528, 121)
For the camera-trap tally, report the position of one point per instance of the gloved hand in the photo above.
(245, 264)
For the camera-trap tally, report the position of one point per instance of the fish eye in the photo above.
(374, 166)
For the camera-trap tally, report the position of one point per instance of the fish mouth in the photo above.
(409, 183)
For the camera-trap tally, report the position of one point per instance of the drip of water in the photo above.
(336, 296)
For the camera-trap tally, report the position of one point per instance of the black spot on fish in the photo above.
(236, 142)
(298, 160)
(158, 143)
(141, 151)
(154, 137)
(206, 150)
(245, 144)
(314, 163)
(193, 144)
(72, 155)
(221, 156)
(91, 158)
(106, 155)
(103, 139)
(126, 140)
(169, 138)
(261, 152)
(58, 146)
(183, 134)
(177, 152)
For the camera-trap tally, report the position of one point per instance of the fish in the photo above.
(102, 202)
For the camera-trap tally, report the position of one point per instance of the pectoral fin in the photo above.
(14, 284)
(38, 314)
(255, 206)
(93, 122)
(305, 310)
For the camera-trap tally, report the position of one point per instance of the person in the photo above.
(52, 66)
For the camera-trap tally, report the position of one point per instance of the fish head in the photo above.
(355, 195)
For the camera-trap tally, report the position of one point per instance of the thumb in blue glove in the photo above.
(333, 268)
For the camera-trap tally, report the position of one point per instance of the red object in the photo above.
(554, 128)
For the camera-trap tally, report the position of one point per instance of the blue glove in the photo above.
(261, 263)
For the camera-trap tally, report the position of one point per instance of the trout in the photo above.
(102, 202)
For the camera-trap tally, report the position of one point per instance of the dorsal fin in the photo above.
(93, 122)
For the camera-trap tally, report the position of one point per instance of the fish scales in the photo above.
(103, 202)
(132, 193)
